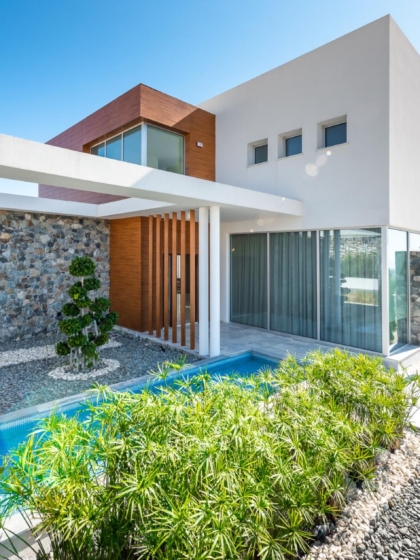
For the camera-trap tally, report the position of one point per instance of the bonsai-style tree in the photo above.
(87, 322)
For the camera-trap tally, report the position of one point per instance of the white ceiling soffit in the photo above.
(23, 203)
(25, 160)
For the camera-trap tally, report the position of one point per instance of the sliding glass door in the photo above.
(398, 288)
(293, 277)
(275, 276)
(350, 272)
(248, 294)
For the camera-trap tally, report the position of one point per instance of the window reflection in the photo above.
(398, 288)
(165, 150)
(350, 271)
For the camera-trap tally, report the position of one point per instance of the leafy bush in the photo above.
(234, 468)
(87, 322)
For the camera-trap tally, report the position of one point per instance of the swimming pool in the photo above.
(16, 426)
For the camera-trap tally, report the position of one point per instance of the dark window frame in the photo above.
(286, 150)
(255, 153)
(328, 127)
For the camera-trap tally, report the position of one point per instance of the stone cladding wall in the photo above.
(35, 252)
(415, 297)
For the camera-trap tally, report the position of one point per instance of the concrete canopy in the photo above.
(150, 190)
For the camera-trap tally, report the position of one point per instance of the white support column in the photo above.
(214, 281)
(385, 293)
(203, 275)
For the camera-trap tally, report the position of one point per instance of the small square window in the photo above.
(335, 134)
(261, 153)
(293, 145)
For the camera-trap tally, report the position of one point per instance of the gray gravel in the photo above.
(27, 384)
(395, 533)
(381, 522)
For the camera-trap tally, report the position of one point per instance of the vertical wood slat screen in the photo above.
(168, 238)
(150, 279)
(192, 279)
(174, 276)
(158, 279)
(183, 281)
(166, 278)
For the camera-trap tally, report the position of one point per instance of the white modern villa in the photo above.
(289, 204)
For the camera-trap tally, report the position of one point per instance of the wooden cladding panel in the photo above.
(139, 104)
(110, 119)
(166, 278)
(183, 280)
(150, 274)
(138, 249)
(174, 275)
(125, 271)
(196, 124)
(158, 278)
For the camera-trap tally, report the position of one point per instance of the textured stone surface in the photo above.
(35, 252)
(27, 384)
(381, 522)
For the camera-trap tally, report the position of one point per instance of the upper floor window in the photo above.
(335, 134)
(131, 145)
(293, 145)
(257, 152)
(261, 153)
(165, 150)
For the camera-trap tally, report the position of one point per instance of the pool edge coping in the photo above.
(16, 415)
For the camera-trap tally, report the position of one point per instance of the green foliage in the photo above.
(70, 310)
(101, 339)
(100, 305)
(82, 266)
(108, 322)
(92, 284)
(233, 468)
(77, 292)
(62, 349)
(88, 322)
(71, 326)
(78, 340)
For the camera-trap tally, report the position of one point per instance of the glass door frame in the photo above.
(386, 346)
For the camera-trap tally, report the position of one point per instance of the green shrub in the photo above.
(70, 310)
(211, 469)
(82, 266)
(87, 322)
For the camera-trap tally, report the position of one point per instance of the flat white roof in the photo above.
(150, 190)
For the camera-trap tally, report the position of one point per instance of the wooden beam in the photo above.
(183, 281)
(150, 287)
(192, 279)
(158, 299)
(174, 277)
(166, 277)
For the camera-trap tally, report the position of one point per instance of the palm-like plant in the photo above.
(209, 469)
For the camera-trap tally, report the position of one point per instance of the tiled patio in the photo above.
(236, 338)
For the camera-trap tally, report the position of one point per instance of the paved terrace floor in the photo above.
(236, 338)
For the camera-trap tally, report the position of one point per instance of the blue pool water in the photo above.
(14, 431)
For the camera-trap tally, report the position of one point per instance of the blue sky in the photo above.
(60, 60)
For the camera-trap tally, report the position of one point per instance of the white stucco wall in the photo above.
(349, 76)
(404, 132)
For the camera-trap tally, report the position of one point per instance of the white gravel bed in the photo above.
(27, 383)
(25, 355)
(68, 374)
(394, 472)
